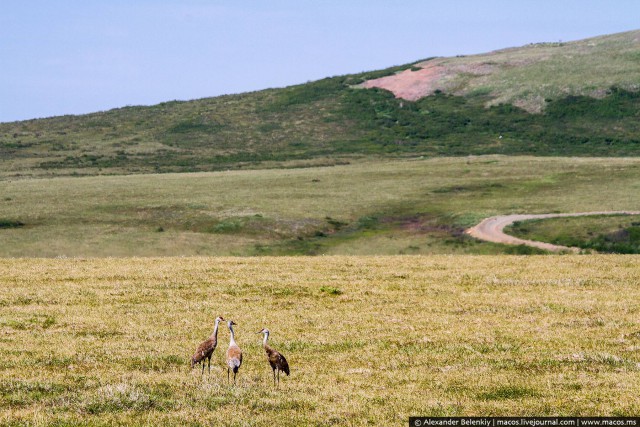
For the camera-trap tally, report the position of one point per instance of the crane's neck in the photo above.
(215, 329)
(266, 337)
(232, 341)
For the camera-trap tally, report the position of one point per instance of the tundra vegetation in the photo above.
(620, 234)
(108, 341)
(368, 207)
(566, 99)
(115, 229)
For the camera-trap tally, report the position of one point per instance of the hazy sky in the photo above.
(78, 56)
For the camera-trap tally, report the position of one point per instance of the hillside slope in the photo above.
(588, 90)
(529, 75)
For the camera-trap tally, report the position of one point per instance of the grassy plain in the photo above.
(418, 206)
(370, 340)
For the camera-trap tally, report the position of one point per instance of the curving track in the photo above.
(491, 229)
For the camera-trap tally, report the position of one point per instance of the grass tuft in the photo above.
(508, 392)
(330, 290)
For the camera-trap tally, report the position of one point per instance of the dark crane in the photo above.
(205, 350)
(276, 360)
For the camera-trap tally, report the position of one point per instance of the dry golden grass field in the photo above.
(370, 340)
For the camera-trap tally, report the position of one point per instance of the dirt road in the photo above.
(491, 229)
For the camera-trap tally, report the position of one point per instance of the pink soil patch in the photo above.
(411, 85)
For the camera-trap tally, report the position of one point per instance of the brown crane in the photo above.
(205, 349)
(234, 354)
(276, 360)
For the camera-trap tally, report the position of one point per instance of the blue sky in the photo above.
(79, 56)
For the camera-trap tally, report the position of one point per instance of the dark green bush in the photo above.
(7, 223)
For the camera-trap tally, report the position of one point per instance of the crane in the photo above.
(205, 349)
(276, 360)
(234, 354)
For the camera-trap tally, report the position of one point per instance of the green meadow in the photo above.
(416, 206)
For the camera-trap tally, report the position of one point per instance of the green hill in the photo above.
(579, 99)
(531, 76)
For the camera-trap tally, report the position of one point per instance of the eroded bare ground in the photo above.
(491, 229)
(433, 75)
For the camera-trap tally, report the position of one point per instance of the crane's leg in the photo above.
(227, 375)
(274, 377)
(234, 377)
(209, 366)
(202, 368)
(278, 377)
